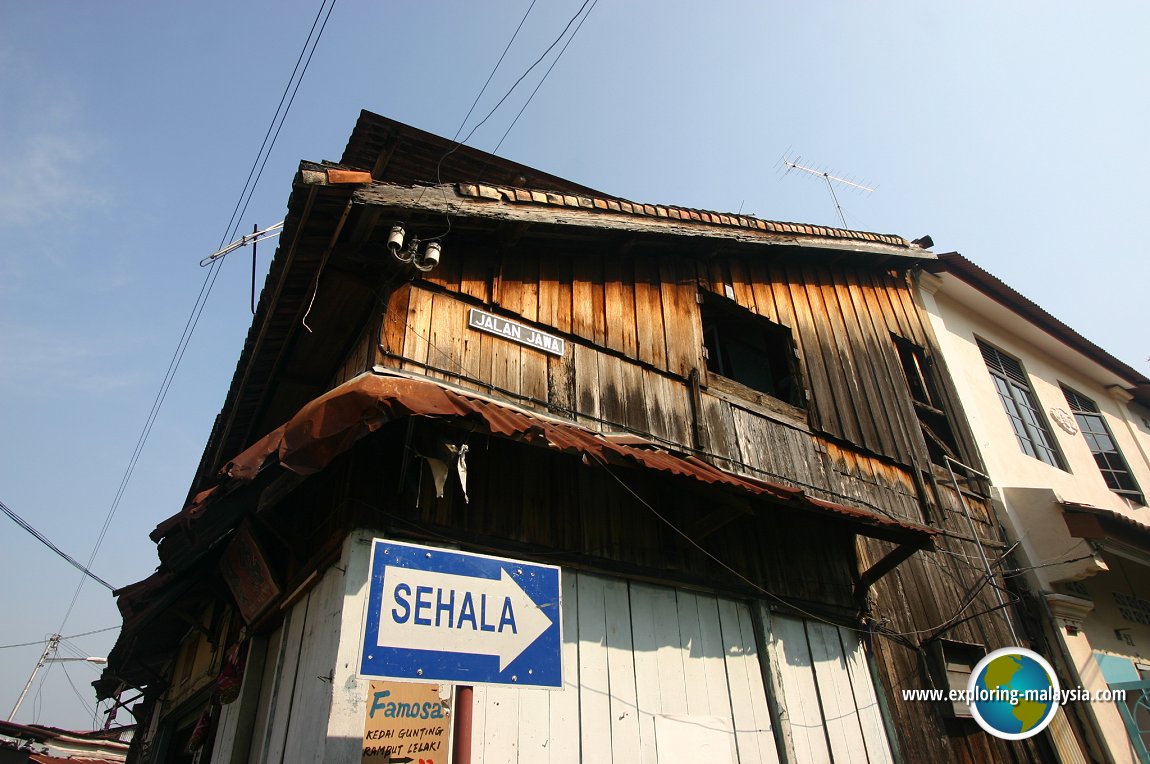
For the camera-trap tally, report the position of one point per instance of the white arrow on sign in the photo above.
(444, 612)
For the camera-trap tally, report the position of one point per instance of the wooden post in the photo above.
(461, 737)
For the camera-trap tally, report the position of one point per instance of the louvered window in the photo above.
(1111, 464)
(1021, 406)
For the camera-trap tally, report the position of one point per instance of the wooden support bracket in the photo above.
(889, 562)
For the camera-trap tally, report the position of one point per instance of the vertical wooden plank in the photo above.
(506, 363)
(478, 723)
(790, 653)
(446, 334)
(672, 680)
(587, 386)
(563, 304)
(534, 724)
(719, 436)
(762, 290)
(311, 698)
(548, 290)
(837, 361)
(837, 299)
(679, 288)
(712, 654)
(647, 677)
(753, 734)
(533, 375)
(476, 275)
(612, 390)
(511, 281)
(887, 373)
(584, 274)
(283, 684)
(395, 320)
(418, 325)
(561, 384)
(529, 302)
(621, 672)
(844, 734)
(501, 726)
(741, 284)
(254, 748)
(870, 714)
(821, 403)
(891, 308)
(652, 336)
(694, 664)
(635, 397)
(619, 304)
(563, 738)
(594, 682)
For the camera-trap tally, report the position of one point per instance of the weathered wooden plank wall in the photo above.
(637, 656)
(643, 307)
(554, 504)
(609, 393)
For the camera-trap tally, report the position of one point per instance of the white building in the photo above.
(1064, 431)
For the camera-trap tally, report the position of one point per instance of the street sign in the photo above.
(441, 615)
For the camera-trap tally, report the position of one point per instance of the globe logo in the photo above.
(1013, 693)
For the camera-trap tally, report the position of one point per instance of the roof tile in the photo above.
(518, 195)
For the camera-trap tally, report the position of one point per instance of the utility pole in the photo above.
(49, 651)
(48, 656)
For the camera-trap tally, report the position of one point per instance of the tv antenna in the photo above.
(830, 180)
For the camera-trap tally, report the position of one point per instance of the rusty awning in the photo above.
(334, 422)
(1086, 521)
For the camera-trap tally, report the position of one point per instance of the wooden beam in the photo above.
(889, 562)
(716, 519)
(445, 199)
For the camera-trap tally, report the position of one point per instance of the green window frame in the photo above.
(1115, 471)
(1021, 406)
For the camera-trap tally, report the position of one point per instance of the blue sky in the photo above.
(1011, 132)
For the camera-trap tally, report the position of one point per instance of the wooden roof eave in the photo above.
(243, 397)
(444, 200)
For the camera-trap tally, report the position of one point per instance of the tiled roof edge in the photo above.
(514, 195)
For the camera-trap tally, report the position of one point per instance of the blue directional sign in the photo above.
(441, 615)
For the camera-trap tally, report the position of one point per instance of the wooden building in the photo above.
(729, 433)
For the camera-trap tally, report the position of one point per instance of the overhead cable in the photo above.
(494, 69)
(544, 78)
(48, 543)
(273, 131)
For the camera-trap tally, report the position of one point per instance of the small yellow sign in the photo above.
(406, 723)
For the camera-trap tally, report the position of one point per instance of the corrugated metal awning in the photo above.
(334, 422)
(1086, 521)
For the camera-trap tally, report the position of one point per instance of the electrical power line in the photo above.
(254, 175)
(544, 78)
(74, 636)
(506, 95)
(250, 184)
(494, 69)
(48, 543)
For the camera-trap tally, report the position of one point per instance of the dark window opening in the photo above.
(750, 350)
(932, 417)
(1021, 406)
(1098, 437)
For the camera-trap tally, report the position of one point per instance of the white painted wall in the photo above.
(1028, 491)
(646, 669)
(958, 316)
